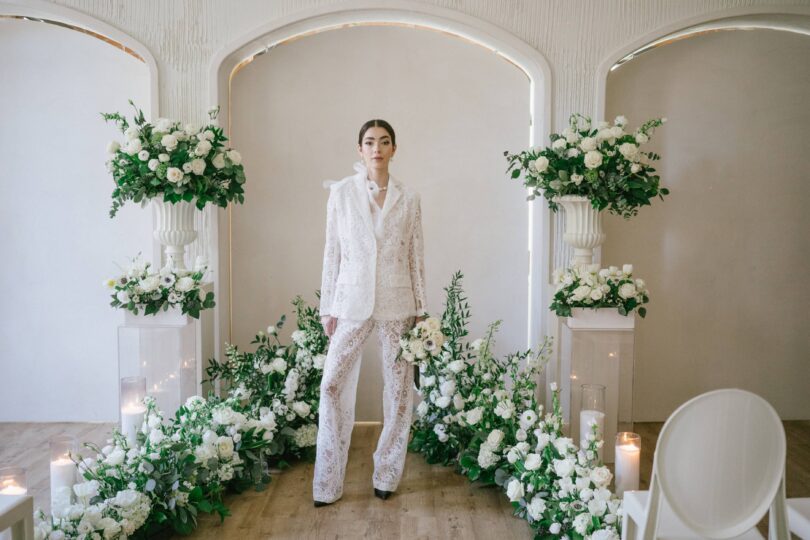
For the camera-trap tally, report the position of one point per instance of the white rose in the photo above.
(235, 157)
(641, 138)
(563, 467)
(443, 402)
(191, 129)
(219, 161)
(604, 534)
(169, 142)
(163, 158)
(634, 168)
(572, 137)
(577, 179)
(495, 437)
(225, 447)
(153, 164)
(207, 134)
(555, 528)
(428, 381)
(184, 284)
(86, 490)
(620, 121)
(542, 440)
(456, 366)
(559, 144)
(198, 166)
(447, 388)
(143, 155)
(597, 507)
(156, 436)
(515, 490)
(422, 408)
(474, 416)
(629, 150)
(440, 432)
(587, 144)
(301, 409)
(628, 290)
(132, 133)
(521, 435)
(540, 164)
(580, 293)
(149, 283)
(601, 476)
(627, 269)
(162, 125)
(279, 365)
(616, 131)
(187, 167)
(572, 152)
(597, 294)
(581, 523)
(133, 147)
(122, 296)
(536, 507)
(458, 402)
(174, 175)
(113, 147)
(203, 147)
(116, 457)
(593, 159)
(532, 462)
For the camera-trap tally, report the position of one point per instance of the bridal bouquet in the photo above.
(138, 288)
(423, 339)
(588, 286)
(178, 163)
(604, 163)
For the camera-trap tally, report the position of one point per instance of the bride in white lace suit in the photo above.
(373, 278)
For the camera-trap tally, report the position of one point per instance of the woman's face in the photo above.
(376, 148)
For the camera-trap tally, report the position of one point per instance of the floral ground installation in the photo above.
(479, 414)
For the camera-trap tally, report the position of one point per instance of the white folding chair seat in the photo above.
(718, 467)
(799, 517)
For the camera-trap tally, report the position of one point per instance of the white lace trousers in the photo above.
(336, 410)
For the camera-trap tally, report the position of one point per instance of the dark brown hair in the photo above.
(377, 123)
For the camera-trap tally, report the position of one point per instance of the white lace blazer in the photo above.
(368, 278)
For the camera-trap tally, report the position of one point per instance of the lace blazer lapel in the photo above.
(394, 193)
(361, 198)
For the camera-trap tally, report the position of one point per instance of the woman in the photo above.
(373, 278)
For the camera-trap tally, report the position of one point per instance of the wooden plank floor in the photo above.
(431, 502)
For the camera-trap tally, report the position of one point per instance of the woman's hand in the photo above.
(419, 319)
(329, 323)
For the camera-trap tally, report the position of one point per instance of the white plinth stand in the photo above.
(16, 517)
(596, 347)
(164, 349)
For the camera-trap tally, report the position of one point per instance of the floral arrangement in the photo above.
(175, 471)
(423, 339)
(603, 162)
(178, 163)
(284, 380)
(496, 433)
(138, 289)
(588, 286)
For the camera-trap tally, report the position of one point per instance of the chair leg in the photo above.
(651, 515)
(777, 518)
(629, 529)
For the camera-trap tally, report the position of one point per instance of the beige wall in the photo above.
(727, 255)
(296, 115)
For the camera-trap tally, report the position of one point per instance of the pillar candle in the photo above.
(63, 476)
(627, 466)
(131, 422)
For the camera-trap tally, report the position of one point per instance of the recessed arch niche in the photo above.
(722, 253)
(333, 142)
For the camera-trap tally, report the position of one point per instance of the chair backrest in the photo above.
(720, 460)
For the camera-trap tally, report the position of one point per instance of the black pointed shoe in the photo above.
(318, 504)
(382, 494)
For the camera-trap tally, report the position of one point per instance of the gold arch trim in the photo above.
(96, 35)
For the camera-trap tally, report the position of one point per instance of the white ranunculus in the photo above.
(474, 416)
(641, 138)
(597, 294)
(587, 144)
(113, 147)
(597, 507)
(443, 401)
(486, 457)
(447, 388)
(153, 164)
(184, 284)
(422, 408)
(116, 457)
(515, 490)
(564, 467)
(191, 129)
(634, 168)
(428, 381)
(219, 161)
(440, 432)
(169, 142)
(143, 155)
(581, 523)
(203, 147)
(207, 134)
(198, 166)
(616, 131)
(572, 152)
(604, 534)
(187, 167)
(458, 401)
(163, 125)
(627, 269)
(572, 137)
(234, 156)
(521, 435)
(505, 409)
(555, 528)
(559, 144)
(156, 436)
(132, 132)
(180, 135)
(163, 158)
(456, 366)
(577, 179)
(542, 440)
(593, 159)
(532, 462)
(580, 293)
(301, 408)
(122, 296)
(225, 447)
(628, 290)
(133, 147)
(629, 150)
(174, 175)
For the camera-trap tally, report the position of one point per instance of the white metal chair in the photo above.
(718, 466)
(799, 517)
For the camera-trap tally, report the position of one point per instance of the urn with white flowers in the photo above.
(179, 168)
(588, 169)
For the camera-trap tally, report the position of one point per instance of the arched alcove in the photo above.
(723, 254)
(245, 50)
(58, 337)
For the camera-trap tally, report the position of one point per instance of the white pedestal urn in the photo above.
(175, 229)
(583, 227)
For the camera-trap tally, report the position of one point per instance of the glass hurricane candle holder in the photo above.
(592, 412)
(63, 472)
(628, 455)
(133, 410)
(13, 481)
